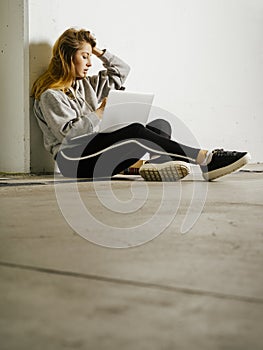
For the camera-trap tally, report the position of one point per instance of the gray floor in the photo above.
(198, 290)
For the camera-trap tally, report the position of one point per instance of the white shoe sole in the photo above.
(215, 174)
(169, 171)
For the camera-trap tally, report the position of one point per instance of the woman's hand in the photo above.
(95, 50)
(99, 111)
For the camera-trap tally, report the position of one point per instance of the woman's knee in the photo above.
(134, 128)
(161, 127)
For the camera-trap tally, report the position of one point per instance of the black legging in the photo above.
(107, 154)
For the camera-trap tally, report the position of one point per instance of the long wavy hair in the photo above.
(61, 70)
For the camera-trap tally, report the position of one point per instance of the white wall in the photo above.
(202, 58)
(14, 103)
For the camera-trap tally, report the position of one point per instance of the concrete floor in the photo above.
(199, 290)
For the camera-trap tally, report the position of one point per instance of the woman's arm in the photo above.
(62, 119)
(112, 78)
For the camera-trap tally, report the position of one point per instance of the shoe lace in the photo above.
(222, 153)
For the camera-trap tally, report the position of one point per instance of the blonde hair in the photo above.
(61, 69)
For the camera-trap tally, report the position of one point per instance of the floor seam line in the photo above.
(149, 285)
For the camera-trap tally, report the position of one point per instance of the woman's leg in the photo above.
(117, 150)
(161, 127)
(77, 163)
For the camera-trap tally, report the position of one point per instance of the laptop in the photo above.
(124, 108)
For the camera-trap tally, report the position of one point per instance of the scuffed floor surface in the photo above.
(202, 289)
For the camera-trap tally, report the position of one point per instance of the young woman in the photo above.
(68, 103)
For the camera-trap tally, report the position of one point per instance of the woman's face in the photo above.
(82, 61)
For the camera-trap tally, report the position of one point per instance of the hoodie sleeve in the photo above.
(61, 119)
(112, 77)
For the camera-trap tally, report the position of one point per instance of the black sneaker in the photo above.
(168, 171)
(223, 163)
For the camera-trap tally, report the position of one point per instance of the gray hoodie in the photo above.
(73, 114)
